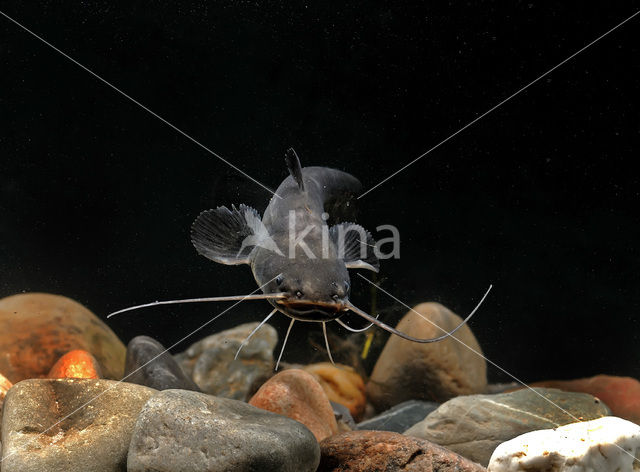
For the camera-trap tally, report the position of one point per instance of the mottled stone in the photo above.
(148, 363)
(607, 444)
(621, 394)
(210, 362)
(180, 430)
(342, 385)
(36, 329)
(475, 425)
(434, 372)
(298, 395)
(69, 425)
(76, 364)
(383, 451)
(400, 417)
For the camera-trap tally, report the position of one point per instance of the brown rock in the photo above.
(342, 385)
(36, 329)
(371, 451)
(620, 394)
(76, 364)
(435, 372)
(298, 395)
(70, 425)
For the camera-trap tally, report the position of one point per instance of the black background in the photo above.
(540, 197)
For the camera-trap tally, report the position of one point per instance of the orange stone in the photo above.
(5, 385)
(77, 364)
(620, 394)
(342, 385)
(298, 395)
(36, 329)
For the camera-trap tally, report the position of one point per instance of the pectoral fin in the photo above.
(227, 236)
(355, 246)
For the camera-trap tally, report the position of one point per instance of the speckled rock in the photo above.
(36, 329)
(148, 363)
(180, 430)
(76, 364)
(621, 394)
(383, 451)
(298, 395)
(210, 362)
(69, 425)
(342, 385)
(607, 444)
(475, 425)
(399, 418)
(433, 372)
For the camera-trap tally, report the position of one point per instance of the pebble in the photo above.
(36, 329)
(76, 364)
(343, 417)
(434, 372)
(69, 425)
(5, 385)
(298, 395)
(367, 451)
(148, 363)
(607, 444)
(400, 417)
(621, 394)
(186, 431)
(342, 385)
(210, 362)
(475, 425)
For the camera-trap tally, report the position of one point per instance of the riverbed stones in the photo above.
(76, 364)
(621, 394)
(211, 361)
(400, 417)
(148, 363)
(366, 451)
(342, 384)
(69, 425)
(607, 444)
(475, 425)
(298, 395)
(186, 431)
(433, 372)
(36, 329)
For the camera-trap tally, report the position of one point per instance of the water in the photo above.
(538, 198)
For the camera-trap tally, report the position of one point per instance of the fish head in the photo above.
(315, 289)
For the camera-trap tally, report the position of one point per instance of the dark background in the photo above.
(539, 198)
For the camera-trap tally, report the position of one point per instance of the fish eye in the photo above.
(279, 279)
(299, 294)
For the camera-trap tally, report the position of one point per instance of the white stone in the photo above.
(608, 444)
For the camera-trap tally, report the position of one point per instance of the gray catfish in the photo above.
(299, 262)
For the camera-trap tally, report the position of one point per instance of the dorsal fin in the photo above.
(293, 164)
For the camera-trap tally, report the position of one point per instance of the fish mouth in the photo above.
(310, 310)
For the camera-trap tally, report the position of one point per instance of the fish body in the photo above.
(291, 249)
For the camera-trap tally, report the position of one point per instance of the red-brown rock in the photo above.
(620, 394)
(76, 364)
(378, 451)
(36, 329)
(298, 395)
